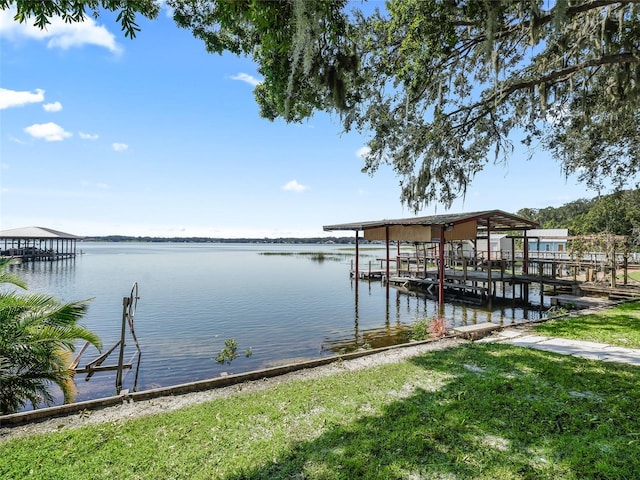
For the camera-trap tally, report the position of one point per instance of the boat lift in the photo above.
(129, 305)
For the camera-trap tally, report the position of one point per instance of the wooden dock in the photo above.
(480, 286)
(371, 274)
(431, 284)
(580, 302)
(621, 292)
(501, 279)
(39, 256)
(466, 283)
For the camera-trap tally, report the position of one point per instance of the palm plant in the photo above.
(37, 338)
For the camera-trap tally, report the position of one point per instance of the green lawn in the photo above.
(633, 275)
(618, 326)
(479, 411)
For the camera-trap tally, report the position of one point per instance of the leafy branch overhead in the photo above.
(41, 13)
(443, 88)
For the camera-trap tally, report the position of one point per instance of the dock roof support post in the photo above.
(513, 256)
(525, 254)
(525, 265)
(441, 271)
(357, 273)
(489, 289)
(386, 231)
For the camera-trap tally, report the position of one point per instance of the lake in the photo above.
(277, 300)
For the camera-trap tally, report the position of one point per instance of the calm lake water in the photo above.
(283, 305)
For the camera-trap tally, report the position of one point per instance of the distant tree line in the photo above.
(284, 240)
(617, 214)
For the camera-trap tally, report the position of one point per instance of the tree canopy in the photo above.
(74, 11)
(617, 214)
(443, 88)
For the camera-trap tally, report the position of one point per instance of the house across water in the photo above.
(548, 240)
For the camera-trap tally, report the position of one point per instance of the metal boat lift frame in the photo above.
(129, 305)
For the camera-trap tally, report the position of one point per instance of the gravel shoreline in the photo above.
(130, 409)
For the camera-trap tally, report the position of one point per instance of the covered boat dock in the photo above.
(31, 244)
(441, 237)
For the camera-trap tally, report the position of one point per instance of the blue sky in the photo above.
(103, 135)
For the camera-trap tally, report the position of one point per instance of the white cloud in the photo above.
(50, 132)
(16, 140)
(168, 10)
(58, 34)
(88, 136)
(294, 186)
(363, 152)
(95, 185)
(120, 147)
(52, 107)
(14, 98)
(245, 77)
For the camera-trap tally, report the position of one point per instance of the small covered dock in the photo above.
(443, 258)
(31, 244)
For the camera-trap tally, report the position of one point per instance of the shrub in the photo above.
(437, 327)
(424, 328)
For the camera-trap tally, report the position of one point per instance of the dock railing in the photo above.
(545, 264)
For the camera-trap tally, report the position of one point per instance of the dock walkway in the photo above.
(467, 282)
(576, 301)
(22, 257)
(486, 285)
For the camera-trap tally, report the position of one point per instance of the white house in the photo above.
(548, 240)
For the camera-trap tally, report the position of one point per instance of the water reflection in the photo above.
(194, 297)
(418, 304)
(401, 304)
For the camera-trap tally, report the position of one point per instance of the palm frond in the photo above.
(38, 333)
(9, 277)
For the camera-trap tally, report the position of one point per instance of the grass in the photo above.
(316, 256)
(482, 411)
(633, 275)
(619, 326)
